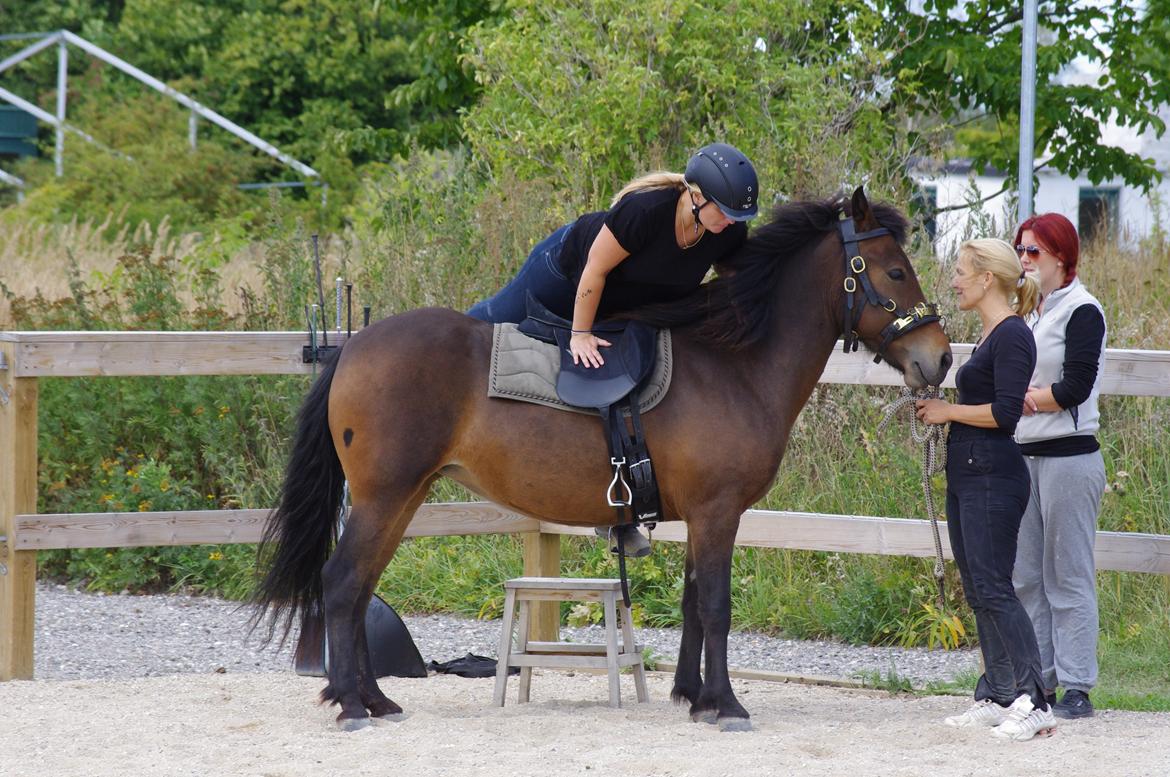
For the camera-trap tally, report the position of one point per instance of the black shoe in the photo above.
(637, 546)
(1074, 704)
(1050, 699)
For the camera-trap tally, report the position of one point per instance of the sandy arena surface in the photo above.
(268, 725)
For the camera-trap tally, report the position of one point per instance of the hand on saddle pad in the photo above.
(584, 347)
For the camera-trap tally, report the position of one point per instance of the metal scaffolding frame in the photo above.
(15, 182)
(62, 39)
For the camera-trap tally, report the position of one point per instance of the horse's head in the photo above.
(883, 305)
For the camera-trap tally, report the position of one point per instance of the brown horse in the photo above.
(406, 402)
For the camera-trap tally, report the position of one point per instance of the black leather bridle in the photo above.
(857, 276)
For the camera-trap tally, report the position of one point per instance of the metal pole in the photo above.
(25, 53)
(1027, 109)
(62, 74)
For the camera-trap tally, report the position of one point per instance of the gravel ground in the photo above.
(95, 636)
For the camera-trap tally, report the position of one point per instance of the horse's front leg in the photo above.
(688, 682)
(712, 544)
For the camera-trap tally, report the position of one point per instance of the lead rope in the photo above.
(934, 458)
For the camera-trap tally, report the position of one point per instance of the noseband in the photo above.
(857, 273)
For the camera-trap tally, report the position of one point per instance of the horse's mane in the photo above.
(734, 310)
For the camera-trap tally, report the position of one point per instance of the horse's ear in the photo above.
(862, 215)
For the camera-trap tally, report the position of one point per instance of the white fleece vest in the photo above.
(1049, 331)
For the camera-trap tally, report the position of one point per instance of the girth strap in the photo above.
(633, 492)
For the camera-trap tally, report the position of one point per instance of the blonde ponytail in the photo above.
(656, 180)
(1027, 294)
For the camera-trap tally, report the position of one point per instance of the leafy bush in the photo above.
(145, 170)
(590, 94)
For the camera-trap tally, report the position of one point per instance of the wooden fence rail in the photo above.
(25, 357)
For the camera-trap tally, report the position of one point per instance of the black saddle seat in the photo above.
(628, 360)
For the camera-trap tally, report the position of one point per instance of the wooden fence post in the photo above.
(542, 558)
(18, 495)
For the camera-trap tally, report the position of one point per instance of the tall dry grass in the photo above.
(39, 257)
(46, 259)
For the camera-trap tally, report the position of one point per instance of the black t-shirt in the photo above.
(998, 373)
(656, 270)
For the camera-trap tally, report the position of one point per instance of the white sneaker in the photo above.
(1025, 721)
(982, 713)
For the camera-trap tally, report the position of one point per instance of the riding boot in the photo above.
(637, 546)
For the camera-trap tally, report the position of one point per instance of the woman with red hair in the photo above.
(1054, 574)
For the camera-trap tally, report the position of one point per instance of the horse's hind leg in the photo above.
(688, 682)
(371, 536)
(376, 702)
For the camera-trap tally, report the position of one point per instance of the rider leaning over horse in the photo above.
(655, 244)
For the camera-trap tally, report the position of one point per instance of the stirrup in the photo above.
(612, 496)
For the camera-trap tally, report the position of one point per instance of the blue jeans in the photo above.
(987, 491)
(541, 275)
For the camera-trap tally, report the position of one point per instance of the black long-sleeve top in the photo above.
(998, 373)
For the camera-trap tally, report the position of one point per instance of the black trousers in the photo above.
(987, 491)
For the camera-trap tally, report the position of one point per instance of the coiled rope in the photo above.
(934, 459)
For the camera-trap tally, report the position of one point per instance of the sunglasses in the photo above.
(1032, 251)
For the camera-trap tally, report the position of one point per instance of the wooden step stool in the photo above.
(567, 655)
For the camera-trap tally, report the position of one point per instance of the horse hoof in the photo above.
(705, 716)
(735, 724)
(383, 709)
(353, 724)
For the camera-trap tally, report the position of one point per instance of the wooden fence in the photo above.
(27, 356)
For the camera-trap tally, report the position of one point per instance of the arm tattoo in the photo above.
(584, 293)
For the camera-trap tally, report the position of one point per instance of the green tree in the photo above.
(960, 61)
(299, 73)
(590, 93)
(444, 84)
(38, 74)
(316, 77)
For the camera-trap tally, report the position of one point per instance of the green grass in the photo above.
(1134, 664)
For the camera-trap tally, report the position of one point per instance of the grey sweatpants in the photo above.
(1054, 575)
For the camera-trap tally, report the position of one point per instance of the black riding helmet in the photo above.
(727, 178)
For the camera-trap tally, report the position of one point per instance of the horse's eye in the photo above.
(896, 275)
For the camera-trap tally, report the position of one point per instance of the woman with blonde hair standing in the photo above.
(988, 487)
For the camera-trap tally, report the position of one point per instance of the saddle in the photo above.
(610, 389)
(627, 361)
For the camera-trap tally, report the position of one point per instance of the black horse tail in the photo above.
(301, 532)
